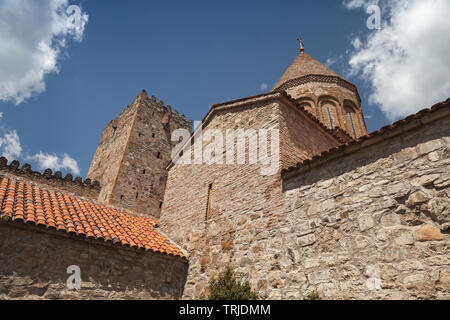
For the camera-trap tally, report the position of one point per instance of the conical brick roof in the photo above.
(304, 65)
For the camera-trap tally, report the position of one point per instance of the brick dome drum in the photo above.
(325, 94)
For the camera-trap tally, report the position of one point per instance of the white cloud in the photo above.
(264, 86)
(11, 149)
(407, 61)
(331, 61)
(355, 4)
(10, 145)
(52, 161)
(1, 115)
(32, 34)
(357, 44)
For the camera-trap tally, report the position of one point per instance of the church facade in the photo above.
(347, 214)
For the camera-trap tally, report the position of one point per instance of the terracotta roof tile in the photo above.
(27, 203)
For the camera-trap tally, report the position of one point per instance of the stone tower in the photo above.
(325, 94)
(134, 150)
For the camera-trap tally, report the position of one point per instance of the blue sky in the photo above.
(188, 54)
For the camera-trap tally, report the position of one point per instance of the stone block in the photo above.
(417, 198)
(319, 277)
(429, 233)
(307, 240)
(365, 222)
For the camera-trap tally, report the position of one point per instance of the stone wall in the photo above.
(133, 153)
(108, 156)
(142, 176)
(381, 212)
(34, 265)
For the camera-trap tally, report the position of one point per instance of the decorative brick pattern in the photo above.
(322, 79)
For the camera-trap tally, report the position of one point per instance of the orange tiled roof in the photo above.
(55, 210)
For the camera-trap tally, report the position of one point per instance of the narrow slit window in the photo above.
(353, 124)
(160, 205)
(208, 204)
(121, 197)
(137, 195)
(331, 118)
(143, 171)
(158, 155)
(153, 135)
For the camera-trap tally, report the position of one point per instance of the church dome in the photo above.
(325, 94)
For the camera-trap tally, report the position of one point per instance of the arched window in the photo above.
(350, 112)
(330, 113)
(307, 104)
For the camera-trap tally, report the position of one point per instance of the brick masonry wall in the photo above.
(244, 203)
(141, 180)
(300, 137)
(313, 93)
(34, 265)
(237, 191)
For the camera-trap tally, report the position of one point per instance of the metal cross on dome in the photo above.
(302, 44)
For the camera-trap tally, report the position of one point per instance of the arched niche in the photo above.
(308, 104)
(352, 118)
(329, 110)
